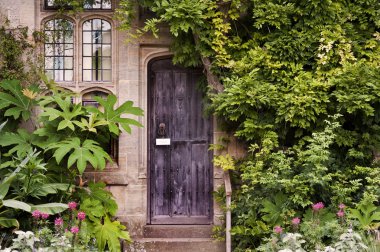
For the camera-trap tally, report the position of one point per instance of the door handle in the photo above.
(161, 130)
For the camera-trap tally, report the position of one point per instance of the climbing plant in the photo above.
(296, 81)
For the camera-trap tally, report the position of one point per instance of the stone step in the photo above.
(178, 231)
(175, 245)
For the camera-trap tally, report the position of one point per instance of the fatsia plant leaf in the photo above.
(14, 98)
(21, 141)
(114, 116)
(80, 153)
(65, 112)
(109, 234)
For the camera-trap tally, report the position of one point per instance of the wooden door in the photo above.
(180, 172)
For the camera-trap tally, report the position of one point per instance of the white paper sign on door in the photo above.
(162, 141)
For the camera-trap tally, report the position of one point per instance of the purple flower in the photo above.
(74, 230)
(318, 206)
(58, 221)
(44, 216)
(81, 215)
(342, 206)
(340, 213)
(278, 229)
(36, 214)
(296, 221)
(72, 205)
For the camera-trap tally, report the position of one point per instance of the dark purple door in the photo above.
(180, 169)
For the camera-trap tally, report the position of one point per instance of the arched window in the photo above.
(88, 98)
(96, 50)
(59, 49)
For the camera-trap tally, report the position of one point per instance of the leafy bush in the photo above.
(41, 165)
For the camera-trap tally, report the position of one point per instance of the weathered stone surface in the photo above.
(175, 245)
(110, 178)
(181, 231)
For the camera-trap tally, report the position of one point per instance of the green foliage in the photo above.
(67, 133)
(17, 103)
(274, 211)
(100, 206)
(367, 214)
(65, 112)
(21, 142)
(108, 233)
(225, 162)
(18, 59)
(80, 153)
(23, 182)
(112, 117)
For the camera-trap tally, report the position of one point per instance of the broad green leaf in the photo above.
(4, 188)
(113, 117)
(93, 208)
(22, 141)
(64, 124)
(6, 100)
(64, 111)
(8, 222)
(97, 192)
(50, 188)
(80, 153)
(109, 234)
(15, 112)
(17, 205)
(51, 113)
(15, 99)
(51, 208)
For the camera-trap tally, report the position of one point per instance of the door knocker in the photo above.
(161, 129)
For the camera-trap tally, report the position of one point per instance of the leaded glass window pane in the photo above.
(59, 47)
(96, 60)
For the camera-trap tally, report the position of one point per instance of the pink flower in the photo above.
(72, 205)
(44, 215)
(58, 222)
(81, 215)
(74, 230)
(340, 213)
(278, 229)
(36, 214)
(342, 206)
(318, 206)
(296, 221)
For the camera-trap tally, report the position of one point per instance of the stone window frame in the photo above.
(49, 5)
(78, 82)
